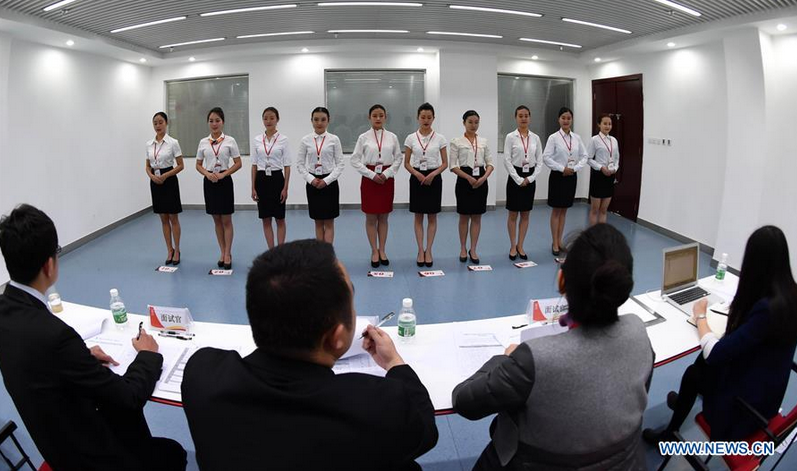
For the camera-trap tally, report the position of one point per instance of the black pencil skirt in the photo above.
(323, 203)
(600, 186)
(561, 189)
(166, 197)
(471, 200)
(520, 198)
(268, 191)
(426, 199)
(219, 196)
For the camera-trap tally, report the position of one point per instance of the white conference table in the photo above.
(436, 353)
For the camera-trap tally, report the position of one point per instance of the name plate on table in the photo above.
(525, 264)
(546, 309)
(380, 274)
(170, 318)
(431, 273)
(480, 268)
(216, 272)
(166, 269)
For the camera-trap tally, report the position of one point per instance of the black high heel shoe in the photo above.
(513, 257)
(220, 264)
(522, 256)
(169, 260)
(228, 266)
(555, 252)
(374, 264)
(474, 260)
(429, 263)
(176, 262)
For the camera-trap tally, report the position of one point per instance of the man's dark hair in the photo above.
(27, 239)
(295, 293)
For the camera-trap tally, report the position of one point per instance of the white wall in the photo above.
(73, 136)
(684, 100)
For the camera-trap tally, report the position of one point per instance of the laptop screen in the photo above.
(680, 267)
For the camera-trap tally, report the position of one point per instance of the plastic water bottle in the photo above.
(118, 310)
(406, 321)
(722, 267)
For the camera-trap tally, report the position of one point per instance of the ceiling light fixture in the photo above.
(495, 10)
(680, 7)
(142, 60)
(596, 25)
(555, 43)
(420, 49)
(398, 31)
(151, 23)
(200, 41)
(58, 5)
(670, 44)
(369, 4)
(304, 49)
(70, 42)
(597, 59)
(244, 10)
(264, 35)
(782, 27)
(535, 57)
(191, 59)
(474, 35)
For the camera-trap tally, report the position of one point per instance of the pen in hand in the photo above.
(140, 326)
(387, 317)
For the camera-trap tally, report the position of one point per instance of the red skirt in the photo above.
(376, 198)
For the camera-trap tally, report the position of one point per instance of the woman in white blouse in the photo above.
(565, 154)
(319, 162)
(425, 157)
(271, 174)
(472, 162)
(163, 153)
(523, 162)
(604, 158)
(377, 157)
(213, 158)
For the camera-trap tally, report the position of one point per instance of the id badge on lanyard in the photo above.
(477, 171)
(319, 169)
(526, 166)
(217, 168)
(424, 165)
(157, 172)
(268, 172)
(378, 169)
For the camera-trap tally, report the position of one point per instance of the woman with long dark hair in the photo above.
(752, 361)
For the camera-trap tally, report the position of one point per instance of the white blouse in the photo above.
(603, 151)
(162, 154)
(461, 153)
(377, 148)
(519, 152)
(564, 150)
(426, 148)
(216, 156)
(273, 154)
(320, 155)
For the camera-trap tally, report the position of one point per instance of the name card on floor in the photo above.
(431, 273)
(166, 269)
(525, 264)
(216, 272)
(480, 268)
(380, 274)
(170, 318)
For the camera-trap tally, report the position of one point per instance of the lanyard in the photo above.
(213, 148)
(525, 145)
(475, 146)
(609, 147)
(379, 142)
(424, 147)
(318, 148)
(157, 151)
(569, 146)
(265, 147)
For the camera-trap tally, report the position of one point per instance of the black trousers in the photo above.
(155, 453)
(695, 381)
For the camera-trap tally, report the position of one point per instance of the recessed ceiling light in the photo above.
(535, 57)
(495, 10)
(475, 35)
(57, 5)
(782, 27)
(555, 43)
(420, 49)
(143, 60)
(671, 44)
(680, 7)
(70, 42)
(200, 41)
(264, 35)
(304, 49)
(597, 59)
(243, 10)
(369, 4)
(391, 86)
(151, 23)
(517, 78)
(367, 31)
(596, 25)
(191, 59)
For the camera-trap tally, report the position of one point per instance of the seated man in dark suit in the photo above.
(81, 415)
(282, 407)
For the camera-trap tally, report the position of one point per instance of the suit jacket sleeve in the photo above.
(81, 371)
(503, 383)
(419, 433)
(747, 337)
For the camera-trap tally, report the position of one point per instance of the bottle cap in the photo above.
(114, 292)
(724, 257)
(406, 302)
(54, 296)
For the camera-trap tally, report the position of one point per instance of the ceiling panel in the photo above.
(642, 17)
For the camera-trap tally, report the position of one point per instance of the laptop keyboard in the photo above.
(688, 295)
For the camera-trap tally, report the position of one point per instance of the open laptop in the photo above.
(679, 281)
